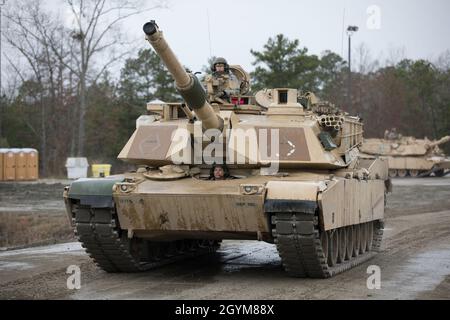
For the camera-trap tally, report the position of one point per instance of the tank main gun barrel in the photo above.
(186, 83)
(440, 141)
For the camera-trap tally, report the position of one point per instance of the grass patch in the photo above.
(23, 229)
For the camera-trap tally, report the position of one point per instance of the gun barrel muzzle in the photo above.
(150, 28)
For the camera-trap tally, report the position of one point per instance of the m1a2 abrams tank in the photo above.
(408, 156)
(295, 179)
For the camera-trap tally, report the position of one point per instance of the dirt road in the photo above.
(414, 263)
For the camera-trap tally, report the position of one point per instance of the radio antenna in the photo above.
(209, 33)
(343, 30)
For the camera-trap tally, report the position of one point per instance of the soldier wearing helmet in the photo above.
(220, 66)
(221, 84)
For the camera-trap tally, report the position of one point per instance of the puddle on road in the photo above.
(17, 208)
(251, 254)
(230, 258)
(423, 272)
(234, 257)
(16, 266)
(63, 248)
(34, 206)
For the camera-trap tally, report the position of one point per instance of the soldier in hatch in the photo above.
(220, 172)
(221, 84)
(393, 135)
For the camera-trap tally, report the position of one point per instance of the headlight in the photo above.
(249, 189)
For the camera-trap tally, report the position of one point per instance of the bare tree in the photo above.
(95, 32)
(75, 55)
(443, 61)
(365, 62)
(395, 55)
(26, 27)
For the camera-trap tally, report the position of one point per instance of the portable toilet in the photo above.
(32, 164)
(9, 165)
(21, 164)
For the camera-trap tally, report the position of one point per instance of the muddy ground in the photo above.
(33, 214)
(414, 262)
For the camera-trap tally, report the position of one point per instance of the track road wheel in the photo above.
(356, 239)
(169, 249)
(333, 247)
(350, 239)
(439, 173)
(392, 173)
(180, 246)
(156, 252)
(324, 242)
(363, 238)
(192, 245)
(342, 235)
(369, 235)
(414, 173)
(402, 173)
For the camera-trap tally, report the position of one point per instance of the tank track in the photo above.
(99, 233)
(297, 237)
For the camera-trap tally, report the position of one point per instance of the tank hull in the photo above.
(222, 210)
(191, 208)
(402, 166)
(139, 214)
(237, 208)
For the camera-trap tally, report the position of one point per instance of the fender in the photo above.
(292, 196)
(94, 192)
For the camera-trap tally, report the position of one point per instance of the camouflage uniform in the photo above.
(220, 86)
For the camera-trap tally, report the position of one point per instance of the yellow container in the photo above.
(101, 170)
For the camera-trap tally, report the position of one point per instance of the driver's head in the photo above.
(219, 173)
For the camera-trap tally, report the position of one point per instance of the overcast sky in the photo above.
(417, 28)
(420, 28)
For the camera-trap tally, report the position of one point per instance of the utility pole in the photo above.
(350, 31)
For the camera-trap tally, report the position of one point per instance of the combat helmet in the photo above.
(222, 61)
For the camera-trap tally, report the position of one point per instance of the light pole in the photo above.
(350, 31)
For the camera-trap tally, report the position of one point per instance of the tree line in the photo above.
(64, 100)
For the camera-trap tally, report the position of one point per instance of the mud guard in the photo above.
(278, 205)
(292, 196)
(94, 192)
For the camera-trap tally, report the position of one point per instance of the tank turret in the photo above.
(408, 156)
(187, 84)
